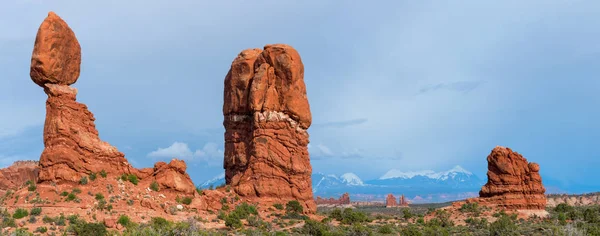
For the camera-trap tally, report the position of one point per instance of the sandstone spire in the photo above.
(267, 115)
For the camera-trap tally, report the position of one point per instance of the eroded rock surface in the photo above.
(513, 183)
(72, 147)
(343, 200)
(266, 117)
(18, 174)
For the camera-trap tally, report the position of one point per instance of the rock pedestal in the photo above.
(267, 115)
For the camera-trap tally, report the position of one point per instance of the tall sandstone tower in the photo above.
(266, 117)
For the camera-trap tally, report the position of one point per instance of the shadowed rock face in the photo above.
(73, 148)
(266, 115)
(513, 183)
(18, 174)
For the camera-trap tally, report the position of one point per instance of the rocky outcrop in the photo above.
(513, 183)
(72, 147)
(390, 201)
(267, 115)
(173, 176)
(18, 174)
(343, 200)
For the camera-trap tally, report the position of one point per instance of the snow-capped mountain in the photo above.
(417, 186)
(215, 181)
(351, 179)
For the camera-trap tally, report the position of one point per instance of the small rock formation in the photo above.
(343, 200)
(173, 176)
(513, 183)
(390, 201)
(73, 148)
(266, 117)
(18, 174)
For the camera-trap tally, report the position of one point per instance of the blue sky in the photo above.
(409, 85)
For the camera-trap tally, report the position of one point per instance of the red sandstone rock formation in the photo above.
(343, 200)
(73, 148)
(390, 201)
(266, 117)
(513, 183)
(18, 174)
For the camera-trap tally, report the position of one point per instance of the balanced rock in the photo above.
(266, 117)
(513, 183)
(56, 54)
(72, 147)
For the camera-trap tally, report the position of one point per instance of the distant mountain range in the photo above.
(419, 187)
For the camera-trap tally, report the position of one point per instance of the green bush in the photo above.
(89, 229)
(41, 229)
(99, 196)
(48, 220)
(385, 229)
(76, 191)
(278, 206)
(160, 224)
(103, 173)
(20, 213)
(186, 200)
(32, 187)
(124, 220)
(315, 228)
(93, 176)
(36, 211)
(154, 186)
(64, 194)
(199, 190)
(244, 210)
(133, 179)
(233, 221)
(294, 207)
(504, 226)
(83, 180)
(71, 197)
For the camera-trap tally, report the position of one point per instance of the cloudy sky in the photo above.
(409, 85)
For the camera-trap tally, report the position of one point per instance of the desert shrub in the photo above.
(71, 197)
(154, 186)
(76, 191)
(89, 229)
(294, 207)
(124, 220)
(385, 229)
(186, 200)
(92, 176)
(73, 219)
(8, 221)
(32, 219)
(359, 229)
(244, 210)
(312, 227)
(160, 224)
(41, 229)
(442, 219)
(99, 196)
(48, 219)
(130, 202)
(20, 213)
(32, 187)
(64, 194)
(233, 221)
(36, 211)
(133, 179)
(83, 180)
(199, 190)
(406, 214)
(224, 200)
(504, 226)
(278, 206)
(101, 204)
(61, 221)
(103, 173)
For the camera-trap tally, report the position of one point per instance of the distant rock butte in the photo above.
(73, 148)
(266, 117)
(513, 183)
(390, 201)
(343, 200)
